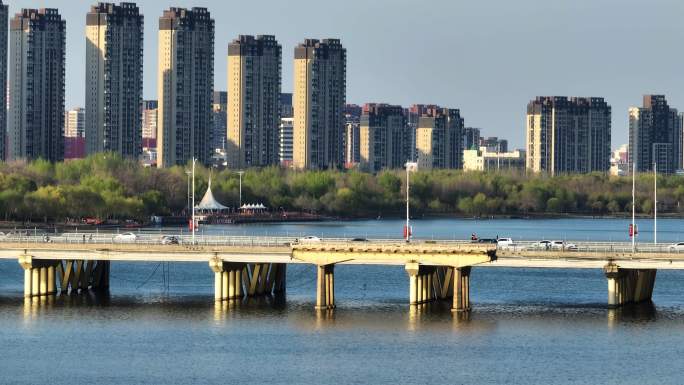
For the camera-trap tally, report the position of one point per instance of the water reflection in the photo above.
(633, 313)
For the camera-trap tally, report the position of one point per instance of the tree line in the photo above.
(107, 186)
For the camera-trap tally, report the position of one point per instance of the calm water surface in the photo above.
(527, 326)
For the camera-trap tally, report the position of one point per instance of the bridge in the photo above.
(256, 266)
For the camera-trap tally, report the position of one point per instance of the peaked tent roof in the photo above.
(208, 201)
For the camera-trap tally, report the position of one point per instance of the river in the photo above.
(159, 323)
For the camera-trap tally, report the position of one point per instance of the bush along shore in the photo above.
(105, 186)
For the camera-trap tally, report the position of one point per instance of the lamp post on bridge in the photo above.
(410, 167)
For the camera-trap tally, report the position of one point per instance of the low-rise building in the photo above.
(483, 159)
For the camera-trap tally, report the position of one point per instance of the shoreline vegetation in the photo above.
(107, 187)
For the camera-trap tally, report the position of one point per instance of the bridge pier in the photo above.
(461, 300)
(325, 287)
(629, 285)
(237, 280)
(429, 283)
(41, 276)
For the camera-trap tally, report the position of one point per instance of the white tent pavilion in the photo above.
(209, 203)
(253, 208)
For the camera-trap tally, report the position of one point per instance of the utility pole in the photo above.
(187, 172)
(240, 173)
(194, 223)
(410, 166)
(634, 229)
(655, 202)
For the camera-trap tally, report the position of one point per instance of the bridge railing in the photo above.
(606, 247)
(154, 238)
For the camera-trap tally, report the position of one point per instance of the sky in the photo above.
(488, 58)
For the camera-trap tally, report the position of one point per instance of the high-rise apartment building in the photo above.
(254, 73)
(150, 117)
(680, 156)
(114, 78)
(352, 139)
(568, 135)
(352, 129)
(320, 69)
(439, 136)
(74, 123)
(285, 138)
(384, 137)
(36, 107)
(494, 144)
(4, 16)
(286, 109)
(220, 122)
(185, 85)
(655, 136)
(74, 133)
(471, 138)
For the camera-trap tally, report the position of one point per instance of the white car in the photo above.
(561, 245)
(544, 245)
(677, 246)
(504, 243)
(125, 237)
(309, 239)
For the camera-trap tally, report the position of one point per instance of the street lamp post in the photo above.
(194, 223)
(188, 173)
(634, 229)
(240, 173)
(410, 166)
(655, 202)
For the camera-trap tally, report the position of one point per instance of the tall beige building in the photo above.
(185, 83)
(254, 75)
(113, 79)
(439, 137)
(384, 138)
(568, 135)
(320, 69)
(36, 106)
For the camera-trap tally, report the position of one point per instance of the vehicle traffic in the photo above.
(125, 238)
(169, 240)
(504, 243)
(308, 239)
(677, 247)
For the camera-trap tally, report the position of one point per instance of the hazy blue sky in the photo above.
(486, 57)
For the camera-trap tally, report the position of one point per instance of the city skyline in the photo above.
(480, 37)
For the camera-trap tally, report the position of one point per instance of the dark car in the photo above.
(487, 240)
(359, 240)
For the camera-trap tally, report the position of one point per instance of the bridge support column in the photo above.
(629, 285)
(39, 276)
(325, 287)
(461, 301)
(412, 269)
(228, 278)
(426, 283)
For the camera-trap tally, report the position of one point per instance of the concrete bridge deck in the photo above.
(437, 269)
